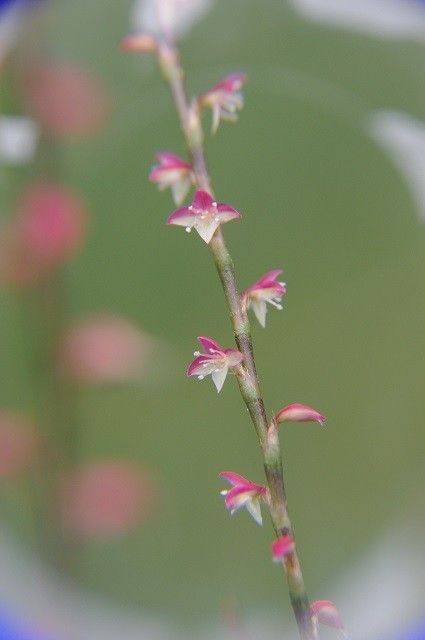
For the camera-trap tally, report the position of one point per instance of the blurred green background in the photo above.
(319, 199)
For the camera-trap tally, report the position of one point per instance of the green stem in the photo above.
(190, 122)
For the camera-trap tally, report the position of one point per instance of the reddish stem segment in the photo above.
(190, 122)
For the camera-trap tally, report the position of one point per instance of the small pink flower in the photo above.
(244, 493)
(106, 498)
(266, 289)
(174, 172)
(204, 214)
(282, 547)
(215, 361)
(224, 99)
(299, 413)
(325, 612)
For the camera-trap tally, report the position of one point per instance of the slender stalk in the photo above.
(190, 122)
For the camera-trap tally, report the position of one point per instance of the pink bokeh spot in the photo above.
(65, 99)
(106, 498)
(48, 230)
(18, 444)
(105, 349)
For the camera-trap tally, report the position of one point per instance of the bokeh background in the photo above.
(326, 165)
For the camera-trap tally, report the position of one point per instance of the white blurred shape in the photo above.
(382, 18)
(172, 18)
(384, 592)
(18, 139)
(403, 138)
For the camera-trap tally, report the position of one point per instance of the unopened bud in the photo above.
(282, 547)
(297, 412)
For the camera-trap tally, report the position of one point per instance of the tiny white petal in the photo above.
(254, 509)
(219, 376)
(260, 309)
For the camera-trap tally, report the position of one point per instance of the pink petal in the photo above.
(183, 217)
(282, 547)
(232, 82)
(140, 42)
(299, 413)
(233, 478)
(168, 159)
(202, 200)
(209, 345)
(226, 212)
(268, 279)
(197, 367)
(237, 496)
(326, 613)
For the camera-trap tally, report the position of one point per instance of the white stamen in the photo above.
(190, 207)
(200, 377)
(214, 204)
(196, 353)
(188, 229)
(216, 219)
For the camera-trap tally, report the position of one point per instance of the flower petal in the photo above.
(260, 309)
(254, 509)
(206, 228)
(202, 200)
(183, 217)
(179, 189)
(233, 478)
(227, 213)
(219, 376)
(168, 159)
(202, 365)
(209, 345)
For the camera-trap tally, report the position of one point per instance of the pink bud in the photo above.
(298, 413)
(106, 498)
(139, 42)
(52, 223)
(18, 444)
(282, 547)
(66, 100)
(105, 349)
(326, 613)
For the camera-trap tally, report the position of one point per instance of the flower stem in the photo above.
(190, 122)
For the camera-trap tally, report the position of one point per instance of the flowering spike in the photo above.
(243, 493)
(266, 289)
(282, 547)
(224, 99)
(174, 172)
(204, 214)
(299, 413)
(215, 361)
(325, 612)
(139, 42)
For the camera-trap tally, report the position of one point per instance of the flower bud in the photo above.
(325, 612)
(298, 413)
(282, 547)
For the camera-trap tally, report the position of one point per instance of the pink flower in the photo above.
(244, 493)
(106, 498)
(266, 289)
(105, 349)
(224, 99)
(282, 547)
(299, 413)
(325, 612)
(204, 214)
(174, 172)
(215, 361)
